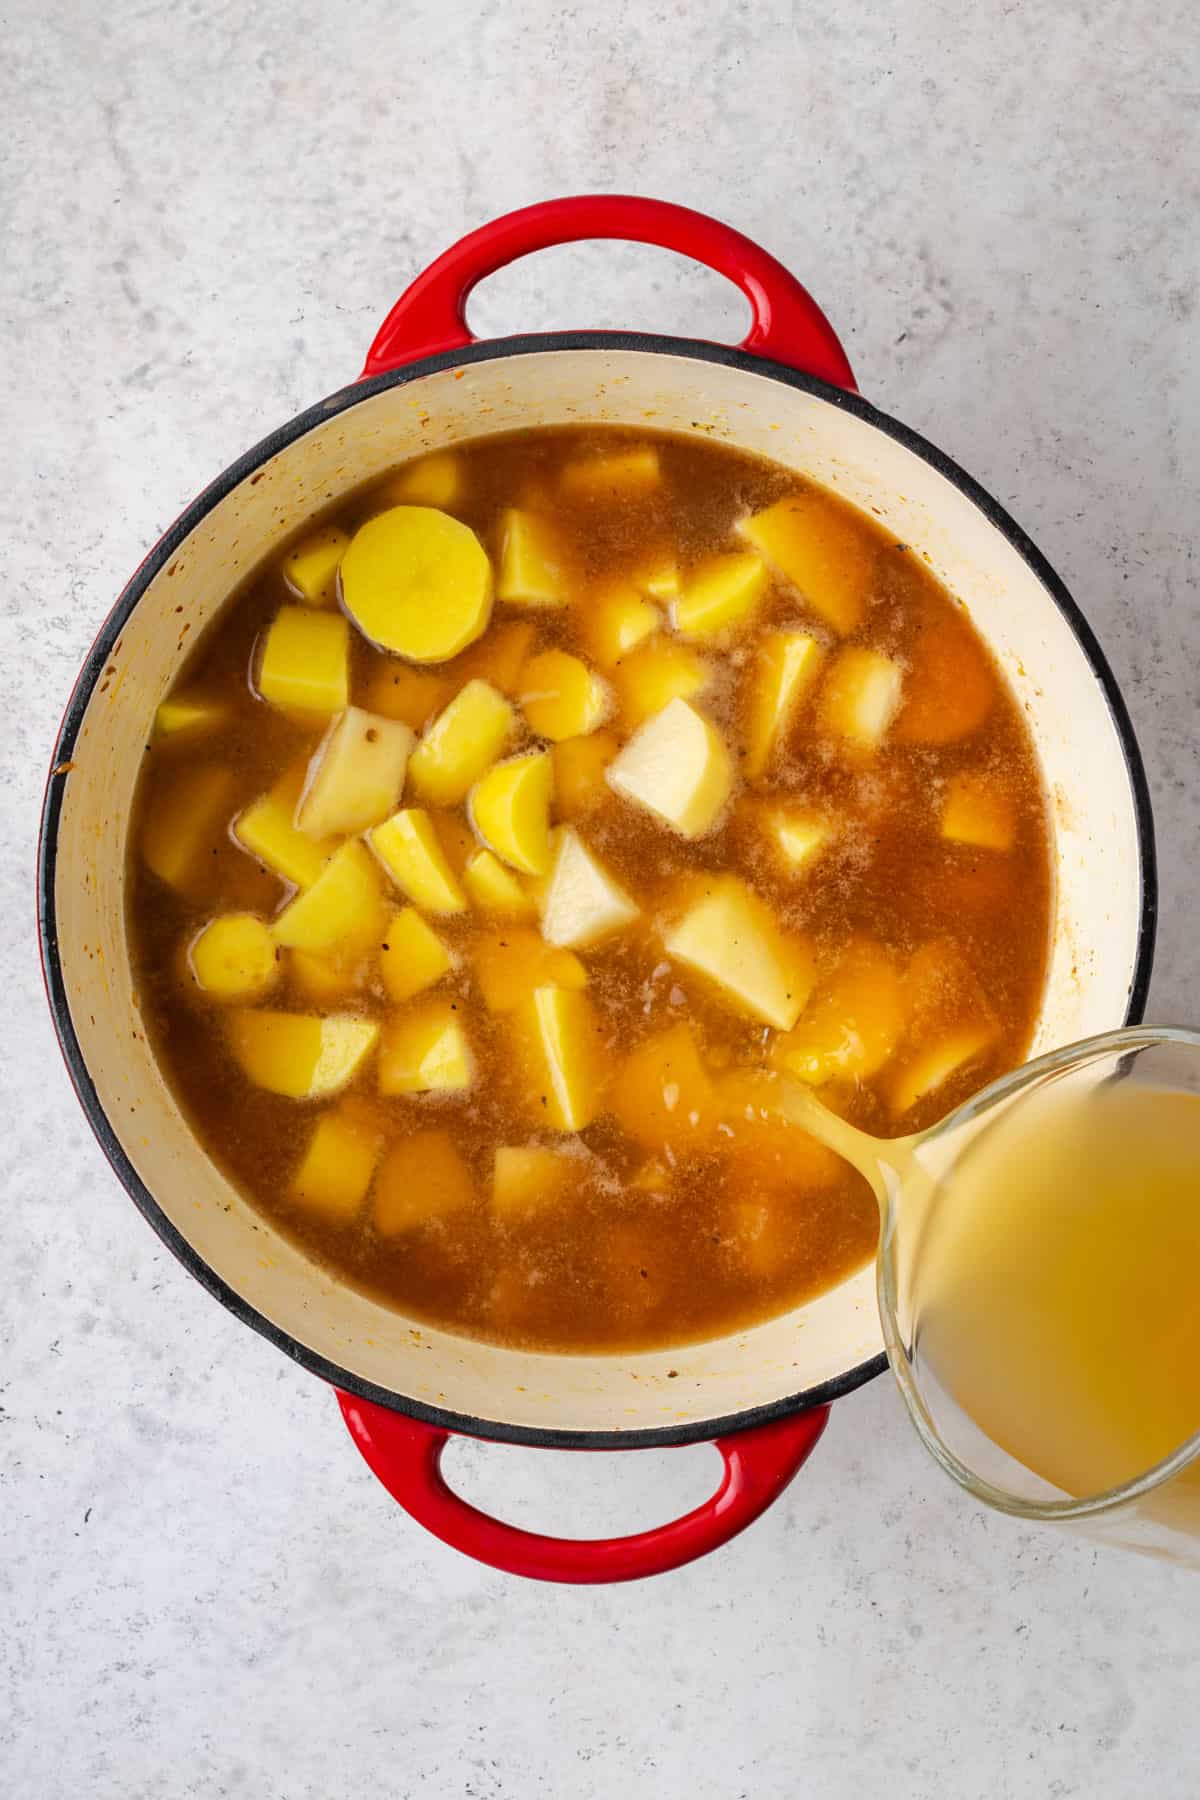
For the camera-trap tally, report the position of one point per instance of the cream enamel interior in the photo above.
(1096, 848)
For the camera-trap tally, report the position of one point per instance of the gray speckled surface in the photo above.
(202, 1593)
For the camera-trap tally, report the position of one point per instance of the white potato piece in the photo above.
(356, 776)
(861, 696)
(583, 903)
(676, 765)
(729, 935)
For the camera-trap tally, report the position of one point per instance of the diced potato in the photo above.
(426, 1052)
(330, 978)
(408, 846)
(412, 696)
(612, 474)
(786, 667)
(528, 1176)
(821, 551)
(336, 1169)
(500, 656)
(561, 697)
(182, 821)
(583, 903)
(532, 565)
(977, 811)
(413, 956)
(356, 776)
(766, 1152)
(234, 958)
(434, 480)
(310, 567)
(929, 1069)
(418, 583)
(495, 889)
(941, 988)
(560, 1047)
(579, 765)
(343, 907)
(657, 672)
(798, 837)
(659, 578)
(677, 767)
(510, 809)
(305, 661)
(460, 744)
(190, 715)
(861, 696)
(951, 685)
(662, 1095)
(722, 593)
(729, 936)
(509, 964)
(268, 830)
(297, 1054)
(853, 1023)
(421, 1181)
(616, 622)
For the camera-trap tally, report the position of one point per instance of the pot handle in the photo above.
(788, 325)
(405, 1454)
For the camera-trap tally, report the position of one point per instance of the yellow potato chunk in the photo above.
(677, 767)
(298, 1055)
(659, 578)
(410, 850)
(532, 566)
(786, 667)
(583, 903)
(413, 956)
(421, 1181)
(344, 907)
(561, 697)
(978, 812)
(562, 1057)
(182, 821)
(310, 567)
(356, 776)
(616, 622)
(190, 715)
(495, 889)
(268, 830)
(426, 1052)
(662, 1095)
(612, 474)
(460, 744)
(336, 1169)
(657, 672)
(434, 480)
(412, 696)
(328, 979)
(418, 583)
(797, 837)
(510, 809)
(305, 661)
(853, 1023)
(528, 1176)
(499, 657)
(722, 593)
(766, 1152)
(234, 958)
(511, 963)
(820, 551)
(579, 765)
(861, 696)
(930, 1069)
(729, 936)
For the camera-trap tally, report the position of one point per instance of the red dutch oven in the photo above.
(787, 392)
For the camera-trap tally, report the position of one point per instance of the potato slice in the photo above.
(532, 565)
(561, 697)
(583, 903)
(510, 809)
(460, 744)
(421, 1181)
(616, 622)
(659, 577)
(499, 657)
(305, 661)
(560, 1050)
(336, 1169)
(426, 1052)
(182, 820)
(612, 474)
(526, 1177)
(268, 830)
(677, 767)
(722, 593)
(356, 776)
(729, 936)
(579, 765)
(853, 1024)
(787, 665)
(495, 889)
(509, 963)
(330, 978)
(977, 811)
(797, 837)
(189, 715)
(413, 696)
(820, 550)
(663, 1097)
(930, 1069)
(310, 567)
(418, 583)
(861, 696)
(298, 1055)
(343, 907)
(413, 956)
(657, 672)
(438, 479)
(234, 957)
(410, 850)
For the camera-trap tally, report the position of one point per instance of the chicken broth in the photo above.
(502, 842)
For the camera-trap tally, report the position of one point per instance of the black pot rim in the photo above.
(501, 1431)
